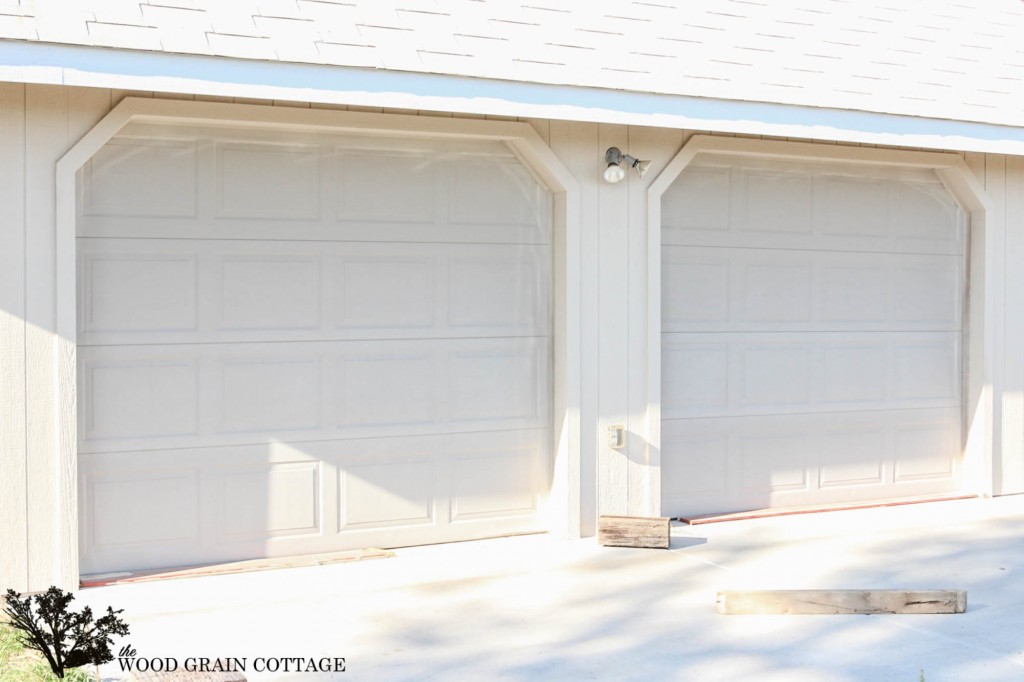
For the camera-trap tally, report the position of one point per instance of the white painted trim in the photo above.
(985, 301)
(563, 512)
(74, 65)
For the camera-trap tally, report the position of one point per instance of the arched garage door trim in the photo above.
(981, 464)
(563, 512)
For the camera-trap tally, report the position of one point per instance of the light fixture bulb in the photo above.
(614, 173)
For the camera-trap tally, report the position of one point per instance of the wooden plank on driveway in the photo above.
(634, 531)
(799, 602)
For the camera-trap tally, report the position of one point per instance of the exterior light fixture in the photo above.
(615, 172)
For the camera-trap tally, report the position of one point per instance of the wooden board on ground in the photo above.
(829, 602)
(634, 531)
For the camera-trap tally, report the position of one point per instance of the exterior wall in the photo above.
(38, 124)
(1003, 178)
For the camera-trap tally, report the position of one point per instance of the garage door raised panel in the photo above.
(295, 343)
(812, 334)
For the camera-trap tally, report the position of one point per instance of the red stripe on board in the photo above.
(789, 511)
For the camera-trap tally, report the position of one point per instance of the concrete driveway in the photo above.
(540, 608)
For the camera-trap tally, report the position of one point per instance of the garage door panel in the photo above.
(268, 394)
(411, 179)
(851, 206)
(698, 206)
(485, 475)
(261, 292)
(135, 507)
(696, 465)
(441, 386)
(700, 370)
(230, 291)
(141, 177)
(302, 343)
(138, 291)
(267, 181)
(268, 501)
(775, 375)
(735, 374)
(214, 184)
(697, 291)
(387, 291)
(492, 289)
(855, 373)
(160, 396)
(928, 293)
(812, 338)
(771, 462)
(926, 369)
(397, 493)
(734, 463)
(201, 229)
(776, 292)
(494, 484)
(499, 385)
(855, 293)
(741, 289)
(207, 504)
(127, 398)
(925, 215)
(769, 200)
(734, 201)
(387, 389)
(926, 451)
(855, 457)
(496, 191)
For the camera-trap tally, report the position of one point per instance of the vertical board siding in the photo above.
(659, 146)
(1012, 479)
(977, 401)
(541, 125)
(613, 319)
(40, 123)
(46, 136)
(1003, 180)
(13, 531)
(995, 186)
(976, 162)
(576, 144)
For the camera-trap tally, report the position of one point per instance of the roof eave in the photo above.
(84, 66)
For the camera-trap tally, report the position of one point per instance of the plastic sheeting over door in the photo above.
(812, 335)
(304, 343)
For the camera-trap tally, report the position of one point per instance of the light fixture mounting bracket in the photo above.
(615, 157)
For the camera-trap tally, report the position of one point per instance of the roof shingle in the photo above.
(943, 58)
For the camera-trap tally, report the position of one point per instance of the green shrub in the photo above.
(18, 664)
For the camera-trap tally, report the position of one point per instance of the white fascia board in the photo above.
(59, 64)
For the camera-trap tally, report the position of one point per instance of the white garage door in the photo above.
(812, 334)
(293, 344)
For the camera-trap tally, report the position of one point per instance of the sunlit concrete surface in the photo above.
(540, 608)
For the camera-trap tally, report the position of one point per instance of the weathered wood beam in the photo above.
(798, 602)
(634, 531)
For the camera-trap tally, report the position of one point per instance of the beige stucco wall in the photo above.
(38, 124)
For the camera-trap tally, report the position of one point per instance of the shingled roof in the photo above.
(951, 59)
